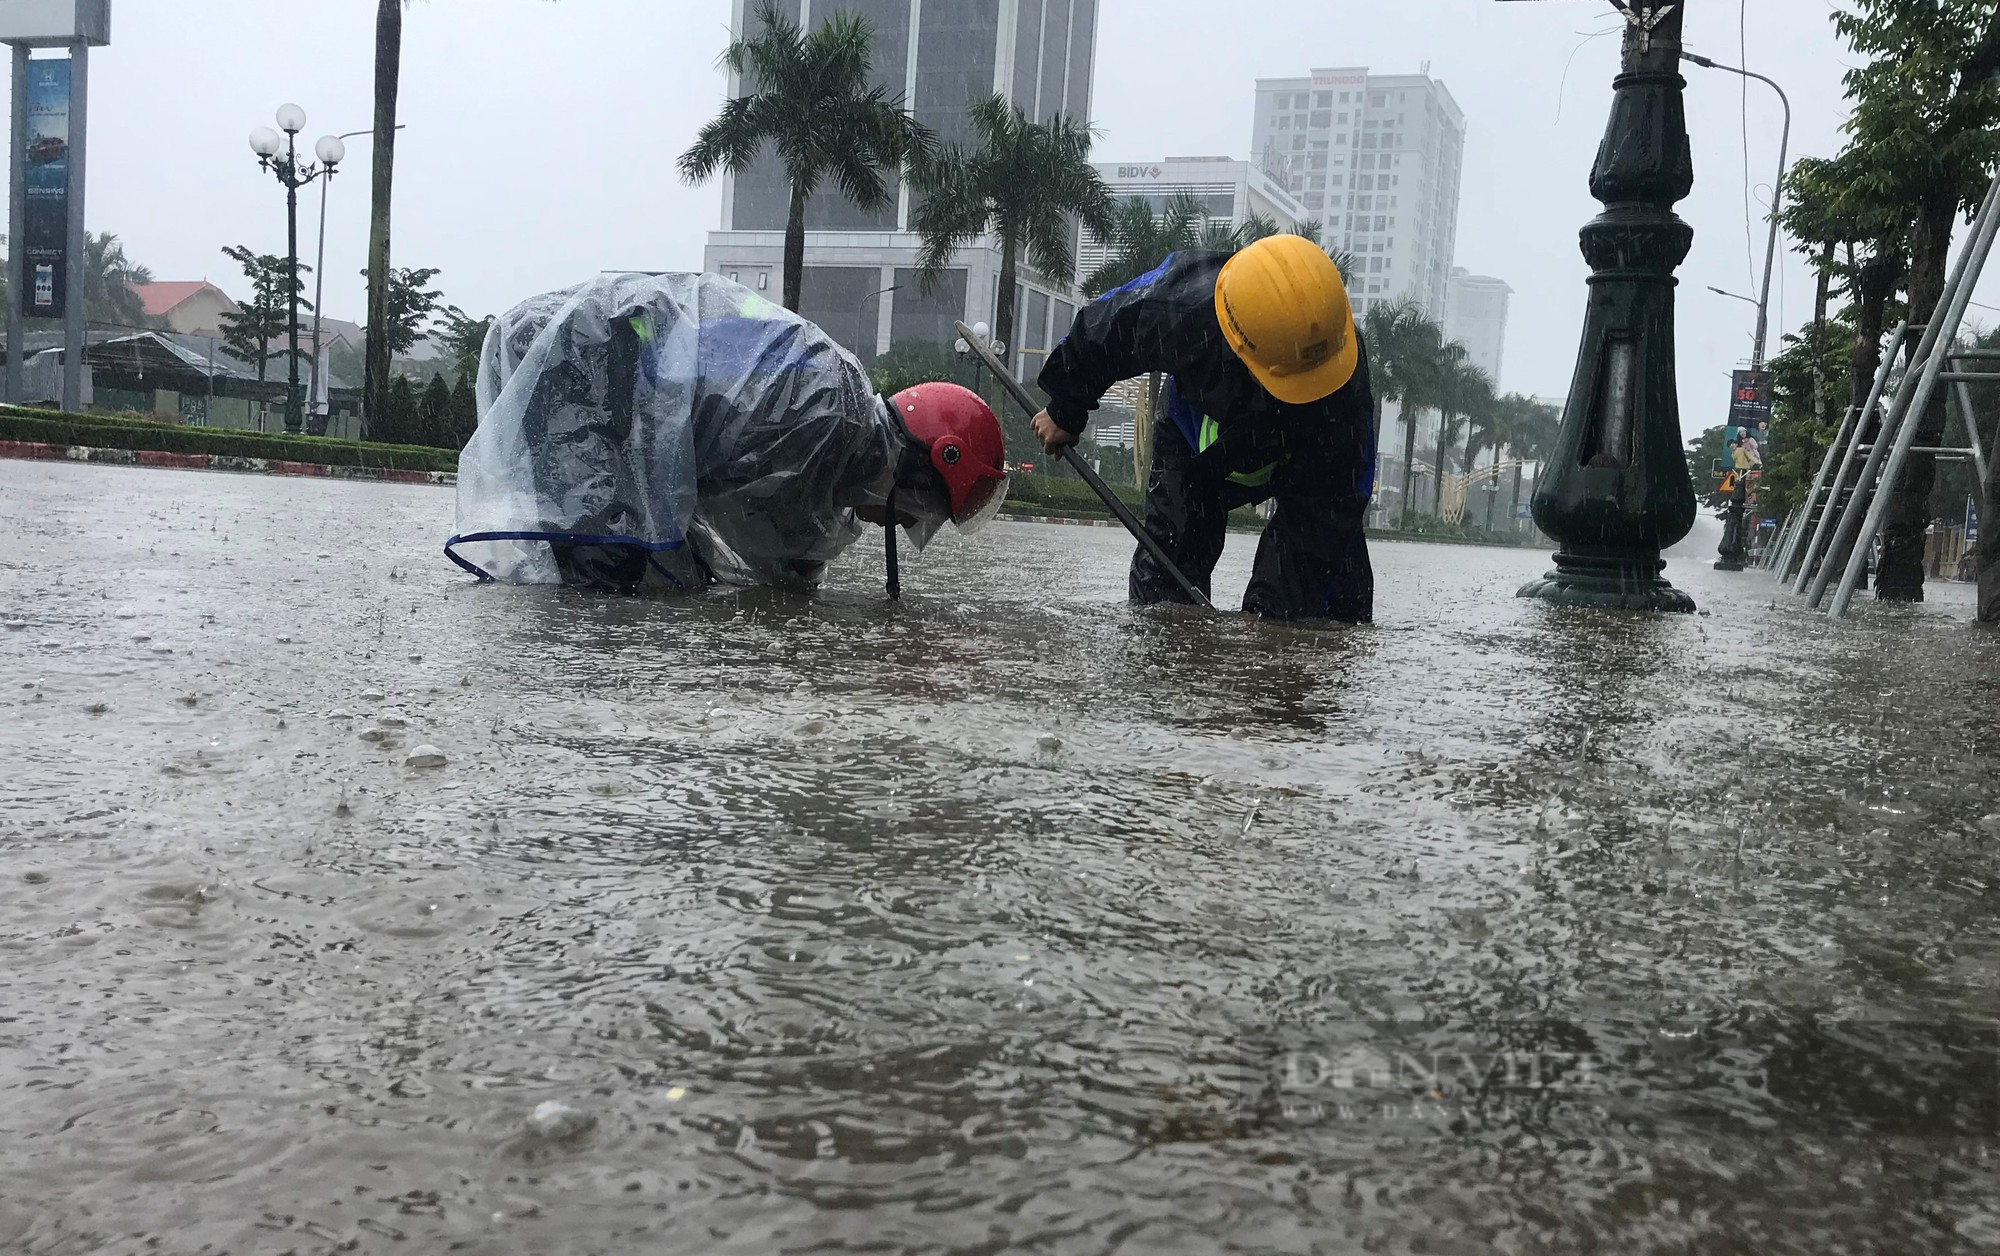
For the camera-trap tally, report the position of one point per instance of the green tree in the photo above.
(1024, 183)
(814, 105)
(413, 307)
(262, 330)
(1404, 365)
(1926, 125)
(108, 280)
(1703, 452)
(1532, 427)
(1804, 421)
(463, 339)
(1462, 390)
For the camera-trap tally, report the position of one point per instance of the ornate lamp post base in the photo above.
(1617, 492)
(1611, 582)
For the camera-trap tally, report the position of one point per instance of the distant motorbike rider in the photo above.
(666, 431)
(1267, 397)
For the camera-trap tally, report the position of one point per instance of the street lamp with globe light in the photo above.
(279, 155)
(983, 333)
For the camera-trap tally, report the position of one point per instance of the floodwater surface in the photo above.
(1005, 919)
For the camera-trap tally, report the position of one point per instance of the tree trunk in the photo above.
(795, 250)
(1409, 417)
(1437, 461)
(388, 71)
(1900, 577)
(1514, 508)
(1003, 304)
(1493, 498)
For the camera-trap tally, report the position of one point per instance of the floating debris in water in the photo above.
(1048, 742)
(812, 728)
(425, 757)
(373, 734)
(557, 1121)
(163, 649)
(392, 719)
(97, 708)
(1239, 733)
(17, 624)
(339, 713)
(372, 695)
(126, 612)
(189, 699)
(142, 636)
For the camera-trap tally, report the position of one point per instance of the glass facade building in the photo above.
(936, 56)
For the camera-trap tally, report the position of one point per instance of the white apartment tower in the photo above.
(938, 56)
(1476, 317)
(1376, 158)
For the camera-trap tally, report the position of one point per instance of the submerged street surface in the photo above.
(1004, 919)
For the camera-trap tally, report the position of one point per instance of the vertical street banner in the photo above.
(46, 247)
(1750, 408)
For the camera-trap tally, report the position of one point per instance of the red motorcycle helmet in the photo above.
(965, 444)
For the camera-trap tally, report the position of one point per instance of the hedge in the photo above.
(105, 431)
(1065, 494)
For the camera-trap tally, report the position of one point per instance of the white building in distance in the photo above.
(1475, 315)
(861, 282)
(1376, 158)
(1232, 192)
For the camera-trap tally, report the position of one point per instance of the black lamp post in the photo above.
(1617, 491)
(280, 156)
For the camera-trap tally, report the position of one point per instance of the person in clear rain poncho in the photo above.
(666, 431)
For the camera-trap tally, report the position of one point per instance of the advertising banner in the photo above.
(1750, 409)
(45, 250)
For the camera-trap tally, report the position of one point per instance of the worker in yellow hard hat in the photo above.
(1266, 397)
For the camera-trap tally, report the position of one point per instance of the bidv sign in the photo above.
(1140, 172)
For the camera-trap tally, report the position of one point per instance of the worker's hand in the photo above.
(1050, 433)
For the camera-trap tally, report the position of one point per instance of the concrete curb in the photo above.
(217, 462)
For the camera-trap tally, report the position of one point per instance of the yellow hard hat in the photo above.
(1284, 311)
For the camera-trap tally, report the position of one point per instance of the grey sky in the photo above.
(541, 137)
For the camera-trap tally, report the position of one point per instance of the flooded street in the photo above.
(1006, 919)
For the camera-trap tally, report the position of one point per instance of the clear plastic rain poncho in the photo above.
(683, 415)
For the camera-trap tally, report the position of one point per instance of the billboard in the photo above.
(1750, 409)
(45, 247)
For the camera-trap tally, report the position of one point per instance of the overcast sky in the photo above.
(542, 136)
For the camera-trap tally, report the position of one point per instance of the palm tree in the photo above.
(1462, 390)
(1140, 240)
(1532, 436)
(1403, 347)
(813, 103)
(1026, 184)
(108, 280)
(382, 174)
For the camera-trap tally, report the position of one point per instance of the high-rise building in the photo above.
(1475, 315)
(861, 282)
(1231, 192)
(1376, 159)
